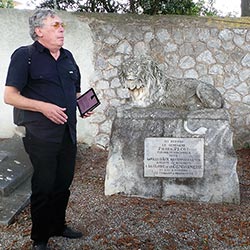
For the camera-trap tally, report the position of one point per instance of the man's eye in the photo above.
(57, 25)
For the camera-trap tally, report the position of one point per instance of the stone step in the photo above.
(14, 203)
(15, 174)
(12, 173)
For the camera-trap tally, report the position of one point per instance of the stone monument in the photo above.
(172, 140)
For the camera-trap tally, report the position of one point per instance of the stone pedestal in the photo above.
(125, 166)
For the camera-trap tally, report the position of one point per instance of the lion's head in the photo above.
(142, 77)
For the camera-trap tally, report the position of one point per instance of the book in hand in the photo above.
(87, 102)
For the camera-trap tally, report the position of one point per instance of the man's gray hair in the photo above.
(36, 20)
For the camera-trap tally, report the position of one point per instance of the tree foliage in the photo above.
(6, 4)
(151, 7)
(108, 6)
(178, 7)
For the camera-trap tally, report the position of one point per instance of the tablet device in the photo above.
(87, 102)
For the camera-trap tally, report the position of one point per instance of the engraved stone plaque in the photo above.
(174, 157)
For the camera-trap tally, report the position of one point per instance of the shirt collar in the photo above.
(41, 48)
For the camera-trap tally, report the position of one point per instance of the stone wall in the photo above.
(216, 51)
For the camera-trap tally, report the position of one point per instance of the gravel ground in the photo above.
(118, 222)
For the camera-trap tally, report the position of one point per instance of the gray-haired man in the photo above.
(46, 89)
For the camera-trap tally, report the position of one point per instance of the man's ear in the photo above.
(38, 32)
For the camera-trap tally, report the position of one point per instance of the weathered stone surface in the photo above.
(12, 174)
(14, 203)
(125, 166)
(15, 166)
(15, 174)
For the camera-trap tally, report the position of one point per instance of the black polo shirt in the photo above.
(49, 80)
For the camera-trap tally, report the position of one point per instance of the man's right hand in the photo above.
(53, 112)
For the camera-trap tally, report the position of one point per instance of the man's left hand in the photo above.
(88, 114)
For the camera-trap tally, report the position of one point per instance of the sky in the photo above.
(226, 6)
(223, 6)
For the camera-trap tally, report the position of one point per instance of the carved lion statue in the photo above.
(149, 86)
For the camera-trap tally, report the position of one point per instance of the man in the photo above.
(44, 80)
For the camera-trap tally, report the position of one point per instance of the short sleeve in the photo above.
(18, 71)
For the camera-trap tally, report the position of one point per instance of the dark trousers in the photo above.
(53, 165)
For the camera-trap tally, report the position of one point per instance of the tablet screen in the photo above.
(87, 101)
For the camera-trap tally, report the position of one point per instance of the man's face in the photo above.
(51, 35)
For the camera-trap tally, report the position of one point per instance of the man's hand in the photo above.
(55, 113)
(88, 114)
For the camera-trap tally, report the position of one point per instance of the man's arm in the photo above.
(53, 112)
